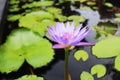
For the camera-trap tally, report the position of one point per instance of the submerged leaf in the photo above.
(24, 45)
(86, 76)
(30, 77)
(81, 54)
(107, 48)
(98, 69)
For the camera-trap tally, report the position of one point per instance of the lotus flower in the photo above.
(67, 36)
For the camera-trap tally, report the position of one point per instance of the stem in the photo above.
(31, 71)
(66, 65)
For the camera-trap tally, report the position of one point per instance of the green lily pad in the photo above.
(91, 3)
(14, 9)
(34, 21)
(61, 17)
(30, 77)
(107, 48)
(54, 10)
(117, 19)
(117, 14)
(108, 4)
(14, 17)
(117, 63)
(10, 61)
(24, 45)
(98, 69)
(42, 3)
(105, 28)
(81, 54)
(86, 76)
(76, 18)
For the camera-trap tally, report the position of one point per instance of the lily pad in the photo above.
(24, 45)
(86, 76)
(117, 63)
(30, 77)
(91, 3)
(109, 47)
(34, 21)
(117, 19)
(81, 54)
(43, 3)
(98, 69)
(61, 17)
(108, 4)
(117, 14)
(76, 18)
(14, 17)
(54, 10)
(105, 28)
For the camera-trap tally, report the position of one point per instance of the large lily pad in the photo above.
(107, 48)
(29, 77)
(24, 45)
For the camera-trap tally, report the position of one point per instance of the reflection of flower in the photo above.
(67, 36)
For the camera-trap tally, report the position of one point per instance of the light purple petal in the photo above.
(80, 36)
(60, 27)
(77, 30)
(58, 46)
(70, 28)
(83, 44)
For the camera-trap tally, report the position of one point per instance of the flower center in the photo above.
(67, 35)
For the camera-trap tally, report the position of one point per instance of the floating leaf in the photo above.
(76, 18)
(117, 14)
(108, 4)
(30, 77)
(14, 9)
(91, 3)
(117, 19)
(81, 54)
(14, 17)
(12, 2)
(43, 3)
(84, 8)
(105, 28)
(54, 10)
(117, 63)
(107, 48)
(82, 1)
(10, 61)
(61, 18)
(24, 45)
(98, 69)
(34, 21)
(86, 76)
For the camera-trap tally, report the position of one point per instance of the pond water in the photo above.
(55, 69)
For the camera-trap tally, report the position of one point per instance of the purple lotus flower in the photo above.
(67, 36)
